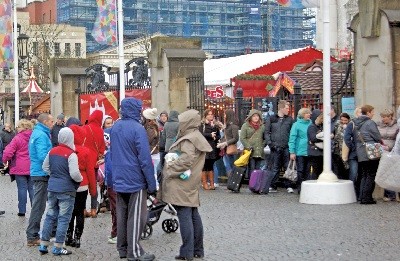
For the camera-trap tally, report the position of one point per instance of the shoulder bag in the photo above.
(374, 150)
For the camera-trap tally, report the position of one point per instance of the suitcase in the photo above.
(235, 179)
(260, 181)
(256, 177)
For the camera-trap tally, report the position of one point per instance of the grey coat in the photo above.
(369, 132)
(171, 129)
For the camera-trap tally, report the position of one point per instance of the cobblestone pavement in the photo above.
(237, 227)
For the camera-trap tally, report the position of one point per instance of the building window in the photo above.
(35, 48)
(67, 50)
(78, 49)
(57, 50)
(7, 90)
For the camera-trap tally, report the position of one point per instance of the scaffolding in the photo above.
(286, 28)
(226, 27)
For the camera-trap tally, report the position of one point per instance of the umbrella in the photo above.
(32, 87)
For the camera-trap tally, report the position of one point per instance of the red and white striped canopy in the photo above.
(32, 86)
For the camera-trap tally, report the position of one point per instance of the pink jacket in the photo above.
(17, 154)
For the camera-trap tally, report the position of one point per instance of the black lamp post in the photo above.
(22, 46)
(297, 98)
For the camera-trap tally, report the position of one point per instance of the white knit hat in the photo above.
(150, 114)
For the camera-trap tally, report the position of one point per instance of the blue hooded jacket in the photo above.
(132, 167)
(39, 146)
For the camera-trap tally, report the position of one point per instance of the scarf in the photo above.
(254, 125)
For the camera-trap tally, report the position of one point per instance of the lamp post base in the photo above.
(327, 193)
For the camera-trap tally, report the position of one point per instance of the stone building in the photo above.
(376, 31)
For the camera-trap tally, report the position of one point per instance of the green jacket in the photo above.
(251, 138)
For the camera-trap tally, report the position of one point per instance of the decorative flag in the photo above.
(6, 28)
(299, 3)
(105, 27)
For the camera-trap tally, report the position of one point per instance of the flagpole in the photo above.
(121, 51)
(16, 69)
(327, 174)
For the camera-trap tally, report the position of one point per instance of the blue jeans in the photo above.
(38, 207)
(192, 232)
(228, 162)
(280, 158)
(353, 175)
(24, 186)
(59, 212)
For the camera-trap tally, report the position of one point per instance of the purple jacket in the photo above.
(17, 154)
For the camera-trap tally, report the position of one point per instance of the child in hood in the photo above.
(86, 168)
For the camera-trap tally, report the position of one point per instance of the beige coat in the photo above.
(192, 147)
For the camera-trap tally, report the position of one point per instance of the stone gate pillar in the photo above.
(172, 60)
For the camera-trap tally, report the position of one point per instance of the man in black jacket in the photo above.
(277, 130)
(56, 129)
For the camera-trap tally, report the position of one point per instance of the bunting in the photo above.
(299, 3)
(105, 27)
(6, 28)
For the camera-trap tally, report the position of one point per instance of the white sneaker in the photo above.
(112, 240)
(216, 185)
(290, 190)
(272, 190)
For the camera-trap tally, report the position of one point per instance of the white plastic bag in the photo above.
(388, 176)
(291, 172)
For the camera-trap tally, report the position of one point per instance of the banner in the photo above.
(108, 102)
(299, 3)
(105, 27)
(6, 28)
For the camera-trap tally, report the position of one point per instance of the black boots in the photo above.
(73, 242)
(68, 239)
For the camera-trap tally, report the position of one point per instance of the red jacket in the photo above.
(86, 162)
(95, 134)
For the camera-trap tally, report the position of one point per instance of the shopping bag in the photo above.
(231, 149)
(345, 152)
(388, 176)
(291, 172)
(244, 159)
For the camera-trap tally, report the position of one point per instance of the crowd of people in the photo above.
(60, 163)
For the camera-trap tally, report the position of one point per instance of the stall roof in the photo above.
(220, 71)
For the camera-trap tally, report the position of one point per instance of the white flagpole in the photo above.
(327, 174)
(121, 51)
(16, 69)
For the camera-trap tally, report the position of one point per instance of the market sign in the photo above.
(285, 81)
(217, 92)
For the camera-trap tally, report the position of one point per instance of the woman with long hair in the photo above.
(231, 137)
(211, 132)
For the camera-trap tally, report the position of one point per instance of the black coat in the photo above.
(206, 129)
(277, 131)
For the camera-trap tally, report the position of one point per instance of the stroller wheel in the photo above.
(170, 225)
(147, 231)
(175, 225)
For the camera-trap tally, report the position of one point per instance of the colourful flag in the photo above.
(6, 28)
(105, 27)
(299, 3)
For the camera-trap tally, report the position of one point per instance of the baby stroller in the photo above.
(155, 210)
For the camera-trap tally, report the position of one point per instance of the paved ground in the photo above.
(238, 227)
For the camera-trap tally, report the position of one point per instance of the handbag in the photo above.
(374, 150)
(231, 149)
(387, 175)
(244, 159)
(345, 152)
(291, 171)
